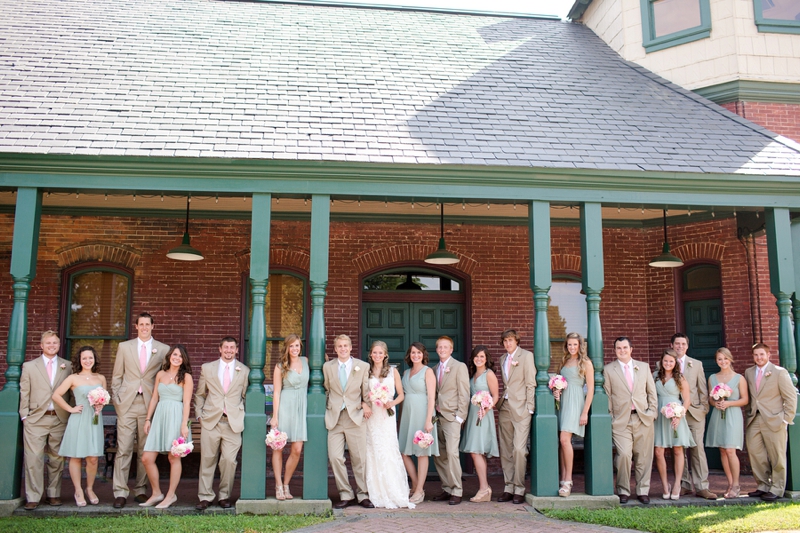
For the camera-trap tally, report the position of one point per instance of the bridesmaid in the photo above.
(167, 419)
(671, 387)
(82, 438)
(419, 385)
(573, 415)
(481, 439)
(289, 406)
(727, 434)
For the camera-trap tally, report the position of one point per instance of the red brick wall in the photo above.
(780, 118)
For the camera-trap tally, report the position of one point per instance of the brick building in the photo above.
(319, 145)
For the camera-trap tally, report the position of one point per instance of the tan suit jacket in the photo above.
(520, 387)
(620, 397)
(698, 387)
(211, 400)
(35, 392)
(356, 391)
(452, 396)
(776, 400)
(128, 377)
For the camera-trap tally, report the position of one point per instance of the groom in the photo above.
(347, 387)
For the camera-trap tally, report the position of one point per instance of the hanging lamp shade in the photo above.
(185, 252)
(441, 256)
(666, 259)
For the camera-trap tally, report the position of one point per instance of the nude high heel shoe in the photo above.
(286, 493)
(482, 496)
(279, 493)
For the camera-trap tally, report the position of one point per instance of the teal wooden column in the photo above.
(254, 448)
(544, 429)
(24, 248)
(782, 285)
(597, 444)
(315, 458)
(795, 232)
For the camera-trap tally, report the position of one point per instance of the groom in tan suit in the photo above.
(219, 407)
(515, 409)
(346, 382)
(135, 368)
(773, 403)
(43, 422)
(633, 405)
(452, 405)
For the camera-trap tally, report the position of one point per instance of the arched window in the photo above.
(566, 313)
(96, 309)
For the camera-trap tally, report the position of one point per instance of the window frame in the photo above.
(651, 43)
(766, 25)
(67, 275)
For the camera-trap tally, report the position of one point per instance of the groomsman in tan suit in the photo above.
(43, 423)
(633, 405)
(346, 382)
(452, 405)
(515, 409)
(219, 408)
(773, 403)
(135, 368)
(692, 370)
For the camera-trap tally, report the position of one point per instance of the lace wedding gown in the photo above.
(387, 481)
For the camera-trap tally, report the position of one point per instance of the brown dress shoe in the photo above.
(55, 502)
(505, 497)
(707, 494)
(455, 500)
(623, 498)
(120, 502)
(202, 505)
(366, 504)
(140, 498)
(769, 497)
(756, 493)
(225, 504)
(343, 503)
(685, 491)
(644, 498)
(441, 497)
(30, 506)
(518, 499)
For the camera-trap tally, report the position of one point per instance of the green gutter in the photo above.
(752, 91)
(578, 8)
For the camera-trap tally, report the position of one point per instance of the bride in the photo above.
(387, 482)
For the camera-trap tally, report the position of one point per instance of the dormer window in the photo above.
(777, 16)
(667, 23)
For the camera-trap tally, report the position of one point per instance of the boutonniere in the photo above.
(238, 368)
(153, 351)
(767, 374)
(63, 366)
(356, 369)
(635, 368)
(514, 363)
(447, 370)
(690, 364)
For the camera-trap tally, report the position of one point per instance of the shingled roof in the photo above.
(216, 78)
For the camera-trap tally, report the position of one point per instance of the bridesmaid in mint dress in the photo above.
(82, 439)
(573, 414)
(671, 387)
(727, 434)
(419, 385)
(168, 419)
(481, 440)
(289, 406)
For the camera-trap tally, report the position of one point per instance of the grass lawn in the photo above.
(148, 524)
(727, 519)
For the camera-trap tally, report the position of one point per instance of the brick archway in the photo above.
(399, 253)
(279, 256)
(98, 251)
(700, 251)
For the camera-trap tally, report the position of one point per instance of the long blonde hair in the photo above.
(385, 368)
(582, 357)
(288, 341)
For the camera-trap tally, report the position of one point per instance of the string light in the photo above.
(619, 209)
(412, 204)
(216, 200)
(689, 210)
(734, 211)
(713, 215)
(305, 201)
(643, 210)
(134, 197)
(487, 205)
(463, 205)
(106, 198)
(359, 202)
(515, 206)
(77, 194)
(162, 196)
(277, 200)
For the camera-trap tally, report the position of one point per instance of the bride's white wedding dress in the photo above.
(387, 481)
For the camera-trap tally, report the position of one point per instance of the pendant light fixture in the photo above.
(185, 252)
(441, 256)
(666, 259)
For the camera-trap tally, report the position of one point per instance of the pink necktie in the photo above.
(142, 361)
(226, 379)
(681, 360)
(628, 377)
(508, 366)
(441, 373)
(759, 373)
(50, 370)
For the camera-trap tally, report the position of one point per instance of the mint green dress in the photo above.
(665, 435)
(479, 439)
(82, 438)
(165, 426)
(727, 433)
(572, 400)
(415, 410)
(293, 404)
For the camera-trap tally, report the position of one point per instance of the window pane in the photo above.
(410, 281)
(98, 304)
(566, 313)
(781, 9)
(704, 277)
(283, 310)
(672, 16)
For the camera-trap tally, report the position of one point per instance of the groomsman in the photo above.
(515, 409)
(773, 403)
(633, 405)
(219, 408)
(452, 405)
(346, 382)
(135, 368)
(43, 423)
(692, 370)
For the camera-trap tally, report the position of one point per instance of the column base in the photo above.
(793, 495)
(296, 506)
(574, 500)
(7, 507)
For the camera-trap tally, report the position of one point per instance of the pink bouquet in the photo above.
(673, 410)
(483, 399)
(379, 395)
(422, 439)
(720, 392)
(276, 439)
(181, 448)
(98, 398)
(557, 383)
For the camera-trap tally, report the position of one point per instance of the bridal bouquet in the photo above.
(720, 392)
(557, 383)
(422, 439)
(276, 439)
(673, 411)
(98, 398)
(483, 399)
(181, 448)
(380, 396)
